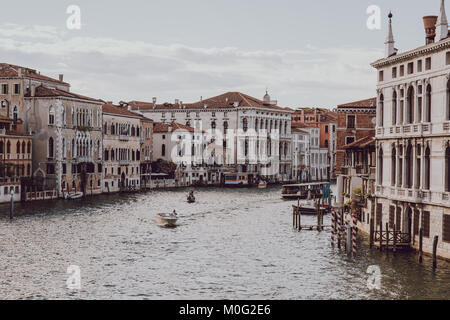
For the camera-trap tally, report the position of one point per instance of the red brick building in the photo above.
(355, 120)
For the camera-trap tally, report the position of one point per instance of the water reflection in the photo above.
(229, 244)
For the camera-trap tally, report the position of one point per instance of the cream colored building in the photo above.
(121, 149)
(413, 137)
(67, 139)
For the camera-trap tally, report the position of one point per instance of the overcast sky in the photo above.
(308, 53)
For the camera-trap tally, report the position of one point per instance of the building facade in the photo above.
(413, 137)
(301, 158)
(67, 139)
(254, 134)
(356, 120)
(122, 132)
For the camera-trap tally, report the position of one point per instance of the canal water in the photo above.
(231, 244)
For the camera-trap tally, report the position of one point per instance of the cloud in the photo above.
(116, 69)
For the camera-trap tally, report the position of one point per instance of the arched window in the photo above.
(410, 105)
(427, 169)
(51, 116)
(105, 128)
(393, 166)
(23, 147)
(50, 148)
(1, 147)
(447, 169)
(163, 150)
(245, 124)
(447, 111)
(29, 147)
(113, 156)
(326, 143)
(256, 125)
(409, 167)
(381, 111)
(225, 127)
(428, 104)
(380, 163)
(107, 154)
(15, 115)
(394, 108)
(18, 147)
(213, 125)
(8, 147)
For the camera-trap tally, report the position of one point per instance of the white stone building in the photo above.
(413, 137)
(255, 134)
(300, 154)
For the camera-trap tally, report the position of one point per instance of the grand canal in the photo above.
(231, 244)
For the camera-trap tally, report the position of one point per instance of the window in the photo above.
(50, 148)
(447, 169)
(326, 129)
(410, 101)
(380, 167)
(5, 88)
(410, 68)
(15, 115)
(428, 104)
(51, 116)
(29, 147)
(163, 150)
(381, 111)
(50, 168)
(427, 169)
(402, 71)
(391, 217)
(381, 76)
(394, 72)
(426, 224)
(16, 88)
(351, 121)
(326, 143)
(419, 66)
(447, 58)
(394, 108)
(446, 228)
(349, 140)
(428, 63)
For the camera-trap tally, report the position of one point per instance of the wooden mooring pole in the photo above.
(381, 236)
(394, 247)
(387, 237)
(435, 243)
(420, 245)
(338, 229)
(371, 233)
(11, 209)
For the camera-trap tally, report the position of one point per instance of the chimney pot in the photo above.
(61, 77)
(154, 100)
(430, 28)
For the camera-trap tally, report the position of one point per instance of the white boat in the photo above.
(166, 219)
(73, 196)
(262, 185)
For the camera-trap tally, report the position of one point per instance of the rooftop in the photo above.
(44, 92)
(9, 70)
(160, 127)
(367, 103)
(361, 143)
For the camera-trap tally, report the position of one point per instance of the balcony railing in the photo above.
(124, 137)
(124, 162)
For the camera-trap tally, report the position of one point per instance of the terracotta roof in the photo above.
(223, 101)
(44, 92)
(123, 111)
(9, 70)
(160, 127)
(361, 143)
(299, 130)
(368, 103)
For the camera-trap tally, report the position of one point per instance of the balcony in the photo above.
(124, 162)
(124, 137)
(84, 159)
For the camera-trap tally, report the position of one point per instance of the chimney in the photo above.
(33, 90)
(430, 28)
(177, 101)
(19, 72)
(61, 77)
(154, 100)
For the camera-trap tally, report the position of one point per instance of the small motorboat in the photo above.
(262, 185)
(73, 196)
(167, 219)
(191, 197)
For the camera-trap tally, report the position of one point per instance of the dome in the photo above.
(266, 97)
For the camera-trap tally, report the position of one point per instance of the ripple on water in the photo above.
(230, 244)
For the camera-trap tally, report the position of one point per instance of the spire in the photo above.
(390, 43)
(442, 24)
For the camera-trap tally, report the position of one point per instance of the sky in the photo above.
(307, 53)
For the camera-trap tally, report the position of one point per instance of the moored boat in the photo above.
(303, 190)
(262, 185)
(73, 196)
